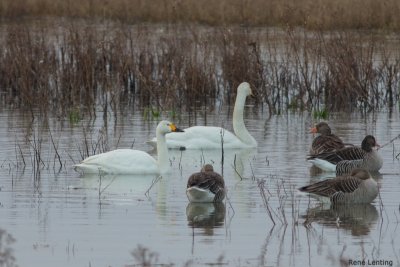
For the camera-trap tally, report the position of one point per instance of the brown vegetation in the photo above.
(71, 67)
(79, 67)
(321, 14)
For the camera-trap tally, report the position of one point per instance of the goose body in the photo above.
(209, 137)
(357, 187)
(326, 141)
(129, 161)
(206, 186)
(345, 160)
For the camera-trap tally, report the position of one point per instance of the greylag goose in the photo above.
(345, 160)
(129, 161)
(206, 186)
(326, 141)
(358, 187)
(209, 137)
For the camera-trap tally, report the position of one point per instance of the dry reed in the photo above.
(74, 69)
(7, 257)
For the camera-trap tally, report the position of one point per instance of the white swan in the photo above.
(208, 137)
(129, 161)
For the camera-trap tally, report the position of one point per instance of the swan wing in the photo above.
(120, 161)
(203, 137)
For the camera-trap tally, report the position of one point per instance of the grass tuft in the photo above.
(321, 114)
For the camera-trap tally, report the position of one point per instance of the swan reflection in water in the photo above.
(206, 216)
(358, 218)
(235, 161)
(136, 186)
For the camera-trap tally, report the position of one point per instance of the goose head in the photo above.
(369, 143)
(207, 168)
(321, 128)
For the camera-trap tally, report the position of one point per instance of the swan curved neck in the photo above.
(162, 153)
(238, 123)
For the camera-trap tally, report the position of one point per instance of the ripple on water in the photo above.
(64, 219)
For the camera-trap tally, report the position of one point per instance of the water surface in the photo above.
(62, 219)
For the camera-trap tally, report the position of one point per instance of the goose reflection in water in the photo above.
(206, 216)
(357, 218)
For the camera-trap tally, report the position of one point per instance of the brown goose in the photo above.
(345, 160)
(206, 186)
(326, 141)
(358, 187)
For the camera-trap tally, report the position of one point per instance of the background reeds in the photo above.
(76, 67)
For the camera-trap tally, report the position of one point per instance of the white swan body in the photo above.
(209, 137)
(205, 137)
(129, 161)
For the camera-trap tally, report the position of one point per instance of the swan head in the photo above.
(165, 127)
(244, 89)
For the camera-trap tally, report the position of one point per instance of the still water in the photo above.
(58, 218)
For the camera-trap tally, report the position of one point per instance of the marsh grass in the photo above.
(145, 257)
(37, 150)
(279, 197)
(37, 147)
(93, 142)
(78, 68)
(7, 257)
